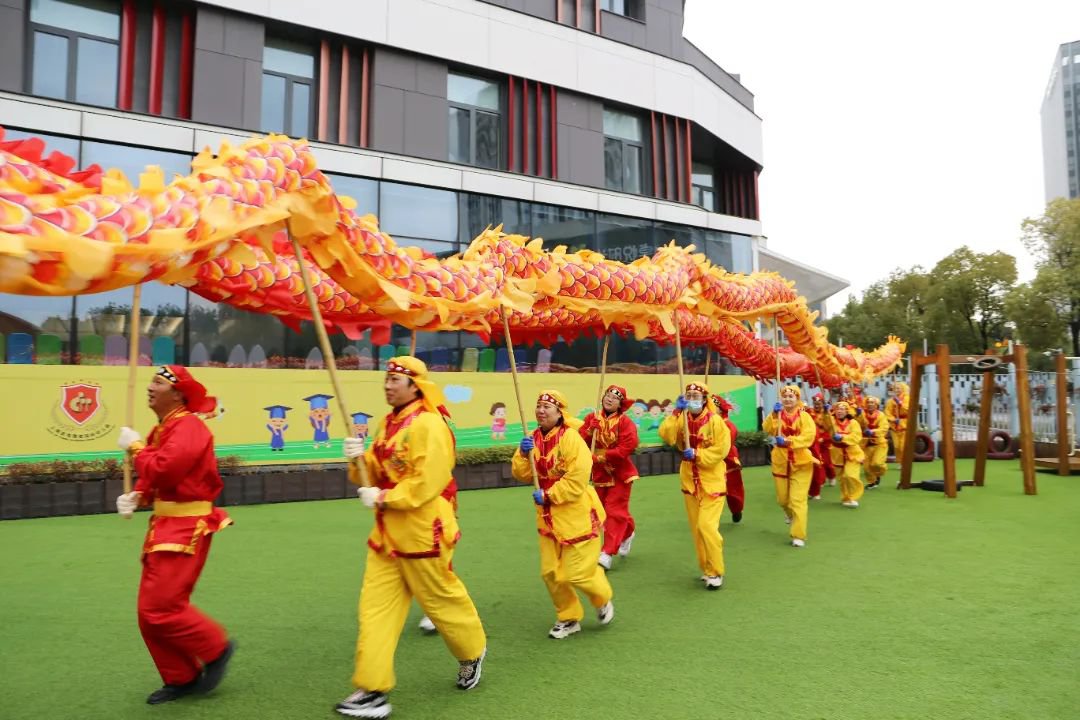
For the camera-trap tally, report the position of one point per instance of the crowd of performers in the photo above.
(583, 474)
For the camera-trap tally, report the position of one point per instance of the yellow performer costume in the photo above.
(412, 543)
(875, 443)
(896, 412)
(569, 515)
(794, 433)
(703, 473)
(847, 437)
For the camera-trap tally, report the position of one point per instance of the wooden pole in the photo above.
(982, 440)
(708, 357)
(1061, 386)
(948, 448)
(913, 421)
(1027, 441)
(328, 353)
(133, 365)
(682, 385)
(599, 412)
(517, 392)
(412, 345)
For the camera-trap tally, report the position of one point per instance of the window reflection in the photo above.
(418, 212)
(133, 161)
(104, 325)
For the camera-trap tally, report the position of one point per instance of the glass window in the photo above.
(364, 191)
(104, 323)
(50, 65)
(477, 212)
(220, 333)
(474, 121)
(90, 17)
(682, 235)
(624, 239)
(477, 92)
(134, 160)
(288, 74)
(35, 316)
(288, 58)
(629, 8)
(75, 50)
(719, 249)
(622, 151)
(97, 70)
(703, 186)
(66, 145)
(576, 229)
(418, 212)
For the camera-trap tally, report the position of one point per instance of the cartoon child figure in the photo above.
(637, 412)
(277, 425)
(498, 421)
(360, 425)
(319, 414)
(667, 408)
(656, 414)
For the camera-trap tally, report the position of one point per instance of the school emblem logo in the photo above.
(80, 402)
(80, 414)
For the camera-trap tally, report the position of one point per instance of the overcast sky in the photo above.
(892, 136)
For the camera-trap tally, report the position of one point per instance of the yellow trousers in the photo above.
(851, 484)
(703, 513)
(389, 586)
(898, 445)
(875, 462)
(791, 495)
(565, 568)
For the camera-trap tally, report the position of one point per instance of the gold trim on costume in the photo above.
(166, 508)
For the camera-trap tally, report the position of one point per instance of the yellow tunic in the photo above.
(573, 512)
(411, 459)
(897, 411)
(711, 441)
(796, 450)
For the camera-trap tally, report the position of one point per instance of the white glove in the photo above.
(127, 436)
(354, 447)
(127, 504)
(368, 495)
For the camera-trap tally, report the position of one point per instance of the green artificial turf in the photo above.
(912, 606)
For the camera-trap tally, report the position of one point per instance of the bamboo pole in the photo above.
(412, 345)
(328, 353)
(708, 357)
(517, 392)
(682, 385)
(599, 412)
(133, 364)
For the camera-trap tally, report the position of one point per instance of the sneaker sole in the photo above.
(374, 714)
(609, 617)
(565, 635)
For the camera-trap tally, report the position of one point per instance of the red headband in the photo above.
(393, 367)
(620, 392)
(195, 398)
(544, 397)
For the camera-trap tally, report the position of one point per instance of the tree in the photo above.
(1038, 319)
(896, 305)
(1054, 240)
(967, 298)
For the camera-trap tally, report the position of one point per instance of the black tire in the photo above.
(926, 454)
(999, 446)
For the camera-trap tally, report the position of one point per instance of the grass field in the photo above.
(912, 606)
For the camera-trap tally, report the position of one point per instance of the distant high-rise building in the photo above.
(1061, 125)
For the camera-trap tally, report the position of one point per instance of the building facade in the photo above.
(590, 123)
(1061, 125)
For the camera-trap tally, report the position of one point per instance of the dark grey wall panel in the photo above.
(227, 78)
(431, 77)
(426, 126)
(12, 47)
(387, 119)
(622, 29)
(581, 139)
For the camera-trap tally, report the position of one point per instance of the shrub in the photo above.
(481, 456)
(61, 471)
(752, 439)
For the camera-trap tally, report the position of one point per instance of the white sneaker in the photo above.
(787, 520)
(606, 613)
(850, 503)
(564, 628)
(624, 547)
(364, 704)
(815, 497)
(604, 561)
(426, 625)
(796, 542)
(714, 582)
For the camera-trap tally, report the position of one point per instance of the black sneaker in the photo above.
(736, 517)
(468, 674)
(873, 485)
(214, 671)
(168, 693)
(364, 704)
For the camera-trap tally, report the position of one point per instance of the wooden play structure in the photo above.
(942, 360)
(1064, 461)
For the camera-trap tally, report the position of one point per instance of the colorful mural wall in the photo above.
(73, 412)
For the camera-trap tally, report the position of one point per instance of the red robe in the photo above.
(178, 475)
(613, 472)
(736, 494)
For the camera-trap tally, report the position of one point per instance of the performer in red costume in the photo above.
(613, 472)
(178, 478)
(824, 473)
(736, 494)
